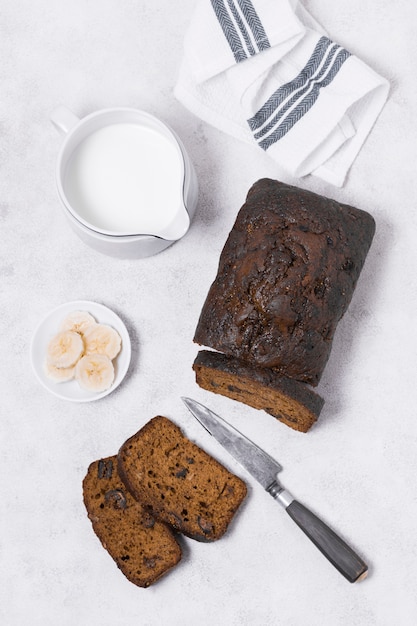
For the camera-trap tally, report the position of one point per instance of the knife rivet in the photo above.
(274, 489)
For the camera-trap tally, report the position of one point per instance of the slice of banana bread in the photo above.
(178, 482)
(290, 401)
(143, 548)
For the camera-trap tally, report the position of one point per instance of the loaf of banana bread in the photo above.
(285, 277)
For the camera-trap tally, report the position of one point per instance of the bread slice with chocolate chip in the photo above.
(144, 549)
(290, 401)
(178, 482)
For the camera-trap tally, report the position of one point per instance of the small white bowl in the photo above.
(50, 325)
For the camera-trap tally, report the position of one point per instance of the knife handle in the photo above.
(345, 560)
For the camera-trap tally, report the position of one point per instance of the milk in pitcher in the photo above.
(125, 179)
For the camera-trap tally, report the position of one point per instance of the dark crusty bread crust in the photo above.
(143, 548)
(285, 278)
(178, 482)
(290, 401)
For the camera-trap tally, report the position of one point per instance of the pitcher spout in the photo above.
(178, 227)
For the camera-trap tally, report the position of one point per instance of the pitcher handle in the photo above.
(63, 119)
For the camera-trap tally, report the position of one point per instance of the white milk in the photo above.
(125, 178)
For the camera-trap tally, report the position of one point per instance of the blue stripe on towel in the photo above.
(287, 103)
(305, 105)
(254, 24)
(229, 30)
(236, 23)
(298, 96)
(242, 27)
(282, 93)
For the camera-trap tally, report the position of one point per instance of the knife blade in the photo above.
(265, 469)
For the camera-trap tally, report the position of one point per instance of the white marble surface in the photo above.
(357, 467)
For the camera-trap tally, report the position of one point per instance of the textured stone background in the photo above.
(356, 468)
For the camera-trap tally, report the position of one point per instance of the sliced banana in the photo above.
(65, 349)
(102, 339)
(59, 374)
(78, 321)
(94, 372)
(83, 350)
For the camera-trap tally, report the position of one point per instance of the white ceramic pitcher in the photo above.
(125, 181)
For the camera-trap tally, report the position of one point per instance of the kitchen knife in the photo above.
(265, 469)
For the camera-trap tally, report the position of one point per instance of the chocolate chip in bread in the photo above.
(144, 549)
(178, 482)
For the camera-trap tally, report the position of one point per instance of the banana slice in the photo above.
(78, 321)
(94, 372)
(65, 349)
(59, 374)
(102, 339)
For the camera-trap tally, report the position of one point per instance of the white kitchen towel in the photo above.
(265, 72)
